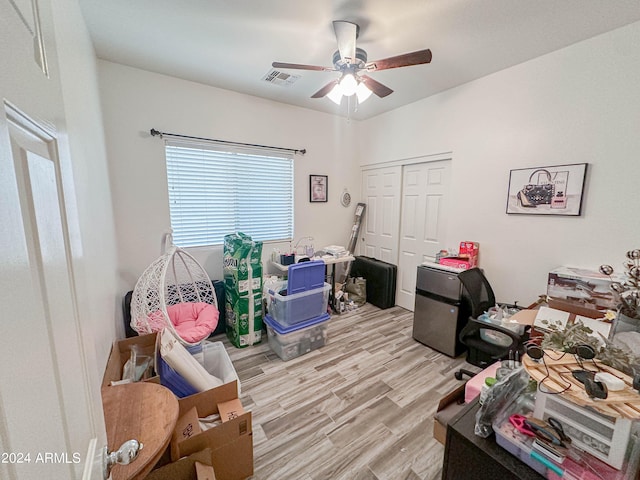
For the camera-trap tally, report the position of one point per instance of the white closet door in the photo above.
(423, 222)
(381, 189)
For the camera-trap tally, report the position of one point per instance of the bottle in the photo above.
(486, 386)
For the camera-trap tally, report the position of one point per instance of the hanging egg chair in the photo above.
(175, 292)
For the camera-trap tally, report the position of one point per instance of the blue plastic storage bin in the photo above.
(305, 276)
(173, 380)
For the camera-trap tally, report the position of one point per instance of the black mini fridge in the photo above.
(441, 309)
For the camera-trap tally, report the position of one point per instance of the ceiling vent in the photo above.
(277, 77)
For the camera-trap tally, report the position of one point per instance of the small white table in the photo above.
(328, 260)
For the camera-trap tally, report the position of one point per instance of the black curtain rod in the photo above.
(156, 133)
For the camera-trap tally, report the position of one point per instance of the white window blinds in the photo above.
(216, 190)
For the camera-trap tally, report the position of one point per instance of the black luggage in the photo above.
(218, 287)
(381, 280)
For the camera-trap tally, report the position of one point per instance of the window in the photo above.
(216, 190)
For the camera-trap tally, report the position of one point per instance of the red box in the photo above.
(470, 251)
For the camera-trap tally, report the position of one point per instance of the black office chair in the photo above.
(486, 342)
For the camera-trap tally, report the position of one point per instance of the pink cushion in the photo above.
(193, 321)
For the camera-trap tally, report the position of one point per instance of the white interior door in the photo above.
(49, 411)
(46, 409)
(381, 192)
(423, 222)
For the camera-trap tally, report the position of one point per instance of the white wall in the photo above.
(91, 226)
(134, 101)
(580, 104)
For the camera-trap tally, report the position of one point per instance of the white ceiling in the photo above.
(231, 43)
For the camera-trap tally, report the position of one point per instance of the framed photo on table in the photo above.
(318, 188)
(553, 190)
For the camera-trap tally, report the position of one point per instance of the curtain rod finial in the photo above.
(155, 132)
(303, 151)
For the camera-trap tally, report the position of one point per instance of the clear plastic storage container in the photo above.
(216, 361)
(498, 338)
(212, 356)
(291, 342)
(576, 465)
(296, 308)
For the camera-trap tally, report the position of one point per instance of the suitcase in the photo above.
(218, 287)
(381, 280)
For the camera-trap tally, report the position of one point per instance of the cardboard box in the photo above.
(448, 407)
(230, 410)
(186, 468)
(204, 472)
(120, 353)
(231, 442)
(470, 251)
(187, 426)
(583, 288)
(574, 309)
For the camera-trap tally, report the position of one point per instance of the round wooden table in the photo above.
(146, 412)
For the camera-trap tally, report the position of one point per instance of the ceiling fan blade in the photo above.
(299, 66)
(376, 87)
(326, 89)
(346, 34)
(405, 60)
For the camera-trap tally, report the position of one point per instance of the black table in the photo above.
(470, 457)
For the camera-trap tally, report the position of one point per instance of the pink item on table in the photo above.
(474, 384)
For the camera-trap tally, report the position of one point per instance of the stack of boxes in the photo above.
(582, 291)
(243, 289)
(467, 256)
(297, 311)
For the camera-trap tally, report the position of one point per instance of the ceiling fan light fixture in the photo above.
(348, 84)
(335, 95)
(362, 92)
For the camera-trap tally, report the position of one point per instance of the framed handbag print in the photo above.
(553, 190)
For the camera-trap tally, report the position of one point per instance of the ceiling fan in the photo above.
(350, 61)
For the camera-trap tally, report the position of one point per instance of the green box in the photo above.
(244, 319)
(242, 264)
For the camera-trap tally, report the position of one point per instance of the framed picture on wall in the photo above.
(553, 190)
(318, 188)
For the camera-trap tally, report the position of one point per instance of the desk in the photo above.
(470, 457)
(328, 260)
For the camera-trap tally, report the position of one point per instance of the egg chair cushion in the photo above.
(193, 321)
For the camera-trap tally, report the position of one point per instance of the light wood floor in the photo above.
(360, 408)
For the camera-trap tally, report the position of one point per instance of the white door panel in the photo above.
(370, 217)
(48, 404)
(381, 192)
(424, 202)
(42, 350)
(387, 255)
